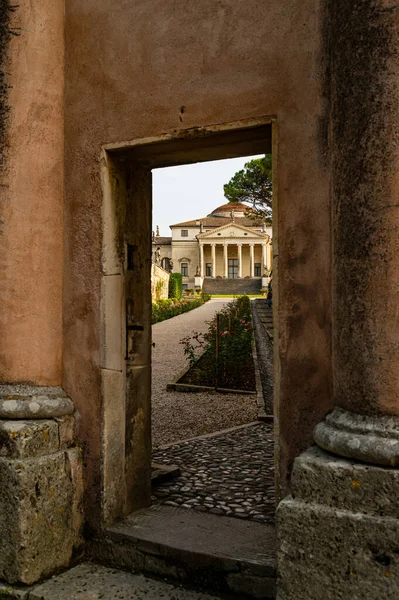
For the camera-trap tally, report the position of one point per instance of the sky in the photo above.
(190, 191)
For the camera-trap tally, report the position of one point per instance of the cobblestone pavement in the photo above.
(229, 474)
(177, 415)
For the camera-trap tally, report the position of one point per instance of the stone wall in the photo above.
(142, 70)
(159, 283)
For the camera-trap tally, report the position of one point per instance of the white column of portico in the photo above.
(264, 258)
(269, 255)
(201, 259)
(226, 264)
(252, 259)
(239, 246)
(213, 260)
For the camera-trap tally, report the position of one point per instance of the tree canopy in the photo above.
(253, 186)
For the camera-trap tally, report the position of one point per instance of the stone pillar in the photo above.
(252, 260)
(41, 483)
(32, 195)
(239, 248)
(201, 259)
(269, 255)
(226, 262)
(339, 532)
(213, 260)
(264, 257)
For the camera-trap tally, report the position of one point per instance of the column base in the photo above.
(366, 438)
(338, 533)
(41, 483)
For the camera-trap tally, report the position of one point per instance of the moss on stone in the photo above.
(5, 34)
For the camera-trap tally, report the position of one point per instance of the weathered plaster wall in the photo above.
(159, 283)
(32, 195)
(136, 69)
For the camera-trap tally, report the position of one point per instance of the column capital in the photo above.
(213, 244)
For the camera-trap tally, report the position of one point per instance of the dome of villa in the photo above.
(225, 210)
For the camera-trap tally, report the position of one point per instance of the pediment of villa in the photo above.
(232, 231)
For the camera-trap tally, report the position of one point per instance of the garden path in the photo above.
(178, 416)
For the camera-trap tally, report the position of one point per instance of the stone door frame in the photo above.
(127, 186)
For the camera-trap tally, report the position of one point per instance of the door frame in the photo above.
(220, 141)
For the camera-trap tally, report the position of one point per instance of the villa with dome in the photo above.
(227, 251)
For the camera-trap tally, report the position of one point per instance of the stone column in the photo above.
(264, 257)
(226, 262)
(213, 260)
(239, 248)
(339, 536)
(201, 259)
(269, 255)
(252, 260)
(41, 482)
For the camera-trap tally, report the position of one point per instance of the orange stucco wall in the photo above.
(130, 68)
(31, 207)
(139, 69)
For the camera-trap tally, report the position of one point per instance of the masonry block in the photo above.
(338, 535)
(40, 496)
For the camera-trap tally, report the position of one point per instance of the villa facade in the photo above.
(226, 244)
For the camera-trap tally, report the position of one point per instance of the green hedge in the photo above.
(176, 286)
(166, 309)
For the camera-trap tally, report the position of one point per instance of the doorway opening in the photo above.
(126, 299)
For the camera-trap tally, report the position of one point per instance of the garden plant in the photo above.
(222, 357)
(166, 309)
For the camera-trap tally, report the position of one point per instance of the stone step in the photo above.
(232, 286)
(91, 582)
(216, 554)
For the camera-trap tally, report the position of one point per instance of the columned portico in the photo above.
(233, 252)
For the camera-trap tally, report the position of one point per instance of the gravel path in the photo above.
(176, 415)
(230, 474)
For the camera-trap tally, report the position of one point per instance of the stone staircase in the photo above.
(231, 286)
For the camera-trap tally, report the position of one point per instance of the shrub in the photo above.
(166, 309)
(176, 286)
(235, 339)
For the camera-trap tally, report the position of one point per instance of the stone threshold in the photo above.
(209, 552)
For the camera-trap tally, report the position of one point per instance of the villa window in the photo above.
(257, 270)
(208, 269)
(184, 269)
(184, 233)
